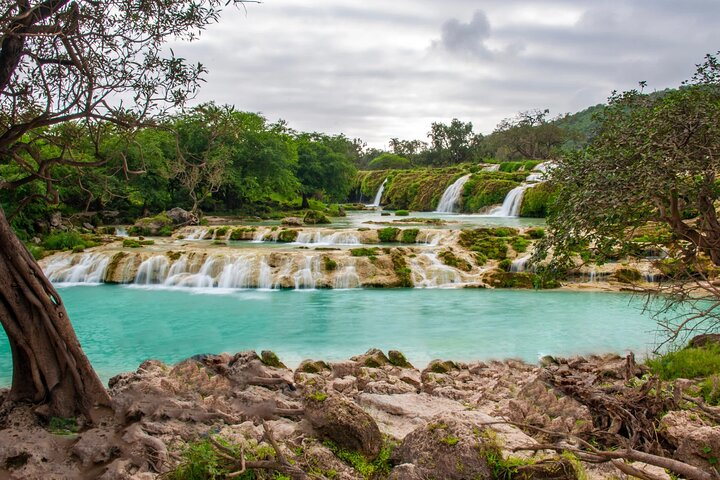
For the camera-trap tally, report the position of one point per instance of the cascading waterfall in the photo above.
(379, 194)
(434, 274)
(429, 237)
(306, 278)
(120, 231)
(152, 271)
(320, 238)
(347, 278)
(88, 269)
(451, 196)
(196, 234)
(519, 264)
(512, 203)
(491, 168)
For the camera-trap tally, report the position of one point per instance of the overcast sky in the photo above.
(377, 69)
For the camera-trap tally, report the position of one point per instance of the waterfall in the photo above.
(120, 231)
(196, 233)
(347, 278)
(320, 238)
(378, 195)
(239, 274)
(450, 197)
(435, 274)
(491, 168)
(88, 268)
(512, 203)
(429, 237)
(519, 264)
(306, 278)
(152, 271)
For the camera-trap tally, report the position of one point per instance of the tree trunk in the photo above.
(305, 203)
(49, 366)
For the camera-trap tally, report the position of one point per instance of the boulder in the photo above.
(96, 446)
(292, 221)
(704, 340)
(313, 217)
(345, 423)
(447, 447)
(181, 216)
(695, 442)
(397, 359)
(373, 358)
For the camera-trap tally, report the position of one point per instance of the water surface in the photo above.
(120, 326)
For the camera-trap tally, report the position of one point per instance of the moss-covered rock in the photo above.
(452, 260)
(537, 201)
(313, 366)
(409, 235)
(397, 359)
(271, 359)
(159, 225)
(402, 271)
(287, 236)
(387, 235)
(481, 192)
(243, 233)
(627, 275)
(313, 217)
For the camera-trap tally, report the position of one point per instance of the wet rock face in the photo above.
(345, 423)
(446, 447)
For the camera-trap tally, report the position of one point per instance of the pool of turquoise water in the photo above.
(120, 326)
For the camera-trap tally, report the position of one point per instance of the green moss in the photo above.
(450, 440)
(410, 235)
(442, 367)
(402, 271)
(37, 251)
(480, 192)
(313, 217)
(318, 396)
(387, 235)
(520, 244)
(330, 264)
(316, 366)
(537, 201)
(63, 426)
(402, 213)
(364, 252)
(130, 243)
(271, 359)
(535, 233)
(505, 264)
(397, 359)
(287, 236)
(243, 233)
(378, 468)
(451, 260)
(627, 275)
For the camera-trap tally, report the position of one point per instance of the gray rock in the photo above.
(345, 423)
(292, 221)
(95, 446)
(180, 216)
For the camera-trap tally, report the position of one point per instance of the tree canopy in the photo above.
(649, 180)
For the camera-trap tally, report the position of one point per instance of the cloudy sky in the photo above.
(377, 69)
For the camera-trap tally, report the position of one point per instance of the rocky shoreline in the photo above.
(373, 416)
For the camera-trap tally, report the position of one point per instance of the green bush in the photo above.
(480, 192)
(389, 234)
(387, 161)
(687, 363)
(64, 241)
(401, 213)
(627, 275)
(410, 235)
(330, 264)
(451, 260)
(37, 251)
(520, 244)
(402, 270)
(505, 264)
(535, 233)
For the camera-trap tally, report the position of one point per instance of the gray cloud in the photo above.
(467, 38)
(375, 69)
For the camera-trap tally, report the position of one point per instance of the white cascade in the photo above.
(320, 238)
(519, 264)
(196, 234)
(512, 203)
(259, 235)
(88, 269)
(152, 271)
(450, 197)
(429, 237)
(120, 231)
(347, 278)
(491, 168)
(434, 274)
(306, 277)
(265, 276)
(379, 194)
(239, 274)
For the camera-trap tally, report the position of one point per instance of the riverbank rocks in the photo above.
(696, 442)
(180, 216)
(344, 423)
(313, 217)
(292, 221)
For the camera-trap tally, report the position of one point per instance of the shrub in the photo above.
(410, 235)
(627, 275)
(537, 201)
(64, 241)
(402, 271)
(480, 192)
(389, 234)
(505, 264)
(535, 233)
(451, 260)
(401, 213)
(519, 244)
(687, 363)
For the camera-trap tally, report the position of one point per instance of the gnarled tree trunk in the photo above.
(49, 366)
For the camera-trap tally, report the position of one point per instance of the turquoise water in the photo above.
(121, 326)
